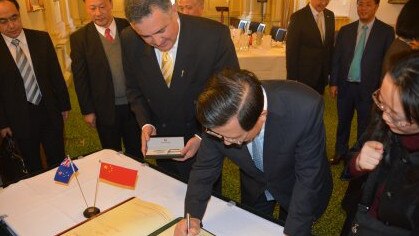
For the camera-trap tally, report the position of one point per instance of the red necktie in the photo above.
(108, 35)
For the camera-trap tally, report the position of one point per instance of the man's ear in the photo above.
(263, 115)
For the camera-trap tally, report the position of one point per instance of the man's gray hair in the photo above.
(136, 10)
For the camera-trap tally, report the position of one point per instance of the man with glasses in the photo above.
(34, 101)
(274, 132)
(356, 71)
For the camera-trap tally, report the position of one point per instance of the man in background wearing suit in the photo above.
(191, 7)
(34, 100)
(356, 71)
(274, 132)
(310, 39)
(168, 58)
(100, 80)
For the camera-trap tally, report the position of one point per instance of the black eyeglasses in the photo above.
(384, 108)
(238, 141)
(14, 18)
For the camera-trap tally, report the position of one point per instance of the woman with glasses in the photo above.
(387, 155)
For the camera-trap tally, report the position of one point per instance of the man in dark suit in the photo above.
(168, 58)
(274, 132)
(100, 80)
(34, 101)
(357, 74)
(310, 39)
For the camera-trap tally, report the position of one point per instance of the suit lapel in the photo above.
(184, 58)
(312, 24)
(371, 36)
(9, 65)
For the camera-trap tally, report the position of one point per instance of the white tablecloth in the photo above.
(267, 64)
(40, 206)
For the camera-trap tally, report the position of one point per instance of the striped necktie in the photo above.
(355, 69)
(167, 68)
(257, 151)
(33, 93)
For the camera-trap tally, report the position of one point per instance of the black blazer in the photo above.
(296, 171)
(92, 73)
(308, 58)
(379, 40)
(204, 48)
(13, 109)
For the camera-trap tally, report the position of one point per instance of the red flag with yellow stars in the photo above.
(118, 174)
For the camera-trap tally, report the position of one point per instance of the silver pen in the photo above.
(188, 222)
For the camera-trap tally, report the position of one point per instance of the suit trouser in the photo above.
(45, 129)
(124, 130)
(347, 103)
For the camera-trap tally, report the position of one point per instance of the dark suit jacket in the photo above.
(379, 40)
(92, 73)
(13, 109)
(296, 171)
(204, 48)
(308, 58)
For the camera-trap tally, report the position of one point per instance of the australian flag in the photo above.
(64, 172)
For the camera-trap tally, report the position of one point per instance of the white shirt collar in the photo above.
(21, 38)
(313, 11)
(112, 27)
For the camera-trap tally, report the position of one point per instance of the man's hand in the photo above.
(65, 115)
(370, 156)
(6, 131)
(146, 132)
(194, 227)
(190, 149)
(90, 119)
(333, 90)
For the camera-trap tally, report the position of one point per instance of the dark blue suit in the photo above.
(352, 95)
(296, 171)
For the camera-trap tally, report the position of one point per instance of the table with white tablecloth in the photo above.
(40, 206)
(267, 64)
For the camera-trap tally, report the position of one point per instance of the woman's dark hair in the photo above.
(230, 93)
(407, 25)
(405, 75)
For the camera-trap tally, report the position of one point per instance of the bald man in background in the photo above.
(191, 7)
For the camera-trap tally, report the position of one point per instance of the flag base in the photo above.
(91, 211)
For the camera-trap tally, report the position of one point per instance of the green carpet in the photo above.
(80, 139)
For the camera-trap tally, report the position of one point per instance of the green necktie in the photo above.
(355, 69)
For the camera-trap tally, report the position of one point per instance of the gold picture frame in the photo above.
(397, 1)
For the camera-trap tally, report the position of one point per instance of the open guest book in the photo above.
(131, 217)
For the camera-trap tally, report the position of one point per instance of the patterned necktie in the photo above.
(167, 68)
(33, 93)
(257, 151)
(108, 35)
(355, 69)
(319, 21)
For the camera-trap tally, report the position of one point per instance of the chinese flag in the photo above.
(117, 174)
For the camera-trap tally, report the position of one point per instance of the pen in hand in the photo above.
(188, 223)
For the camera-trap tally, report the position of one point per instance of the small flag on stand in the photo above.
(118, 174)
(64, 172)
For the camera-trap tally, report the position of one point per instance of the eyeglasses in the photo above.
(14, 18)
(384, 108)
(226, 139)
